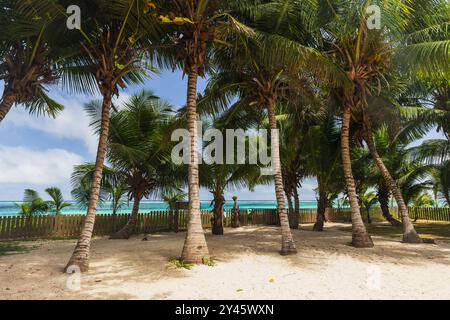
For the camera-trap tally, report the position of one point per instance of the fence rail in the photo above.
(69, 226)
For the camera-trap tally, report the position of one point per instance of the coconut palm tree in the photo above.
(261, 86)
(138, 151)
(293, 128)
(193, 29)
(117, 195)
(112, 187)
(217, 175)
(423, 200)
(32, 204)
(368, 200)
(139, 157)
(322, 152)
(318, 25)
(423, 52)
(368, 56)
(81, 182)
(391, 144)
(441, 180)
(112, 57)
(57, 203)
(221, 177)
(172, 199)
(30, 48)
(264, 75)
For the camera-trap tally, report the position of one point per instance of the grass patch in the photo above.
(179, 263)
(209, 262)
(426, 230)
(12, 247)
(63, 238)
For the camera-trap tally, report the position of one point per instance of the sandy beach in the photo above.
(248, 266)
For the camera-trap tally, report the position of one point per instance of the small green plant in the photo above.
(239, 290)
(179, 263)
(9, 247)
(208, 262)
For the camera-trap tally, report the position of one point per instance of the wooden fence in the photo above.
(69, 226)
(430, 214)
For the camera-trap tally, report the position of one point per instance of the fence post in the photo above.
(171, 222)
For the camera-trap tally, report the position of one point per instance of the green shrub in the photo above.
(208, 262)
(179, 263)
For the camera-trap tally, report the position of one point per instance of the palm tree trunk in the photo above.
(236, 222)
(130, 227)
(383, 198)
(217, 227)
(6, 103)
(289, 200)
(195, 248)
(369, 220)
(288, 195)
(321, 208)
(360, 236)
(296, 217)
(409, 232)
(80, 256)
(287, 242)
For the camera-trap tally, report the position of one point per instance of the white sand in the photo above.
(248, 267)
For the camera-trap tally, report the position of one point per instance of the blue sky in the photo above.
(38, 152)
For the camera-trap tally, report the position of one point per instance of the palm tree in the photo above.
(193, 28)
(139, 153)
(139, 157)
(423, 200)
(81, 181)
(172, 199)
(318, 25)
(399, 174)
(423, 51)
(117, 195)
(293, 128)
(442, 181)
(414, 180)
(30, 48)
(260, 85)
(368, 201)
(265, 74)
(368, 57)
(32, 204)
(409, 233)
(354, 49)
(113, 44)
(392, 149)
(322, 156)
(57, 203)
(218, 177)
(383, 195)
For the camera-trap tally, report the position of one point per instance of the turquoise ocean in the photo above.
(9, 208)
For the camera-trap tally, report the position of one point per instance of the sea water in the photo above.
(9, 208)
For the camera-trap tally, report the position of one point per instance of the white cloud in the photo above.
(26, 166)
(72, 123)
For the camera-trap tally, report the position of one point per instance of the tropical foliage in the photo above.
(347, 101)
(57, 203)
(33, 204)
